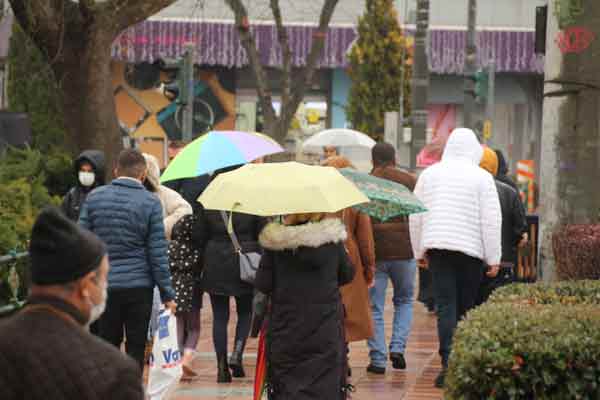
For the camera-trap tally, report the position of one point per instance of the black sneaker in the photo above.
(440, 380)
(398, 361)
(375, 370)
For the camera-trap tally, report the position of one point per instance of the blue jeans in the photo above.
(402, 273)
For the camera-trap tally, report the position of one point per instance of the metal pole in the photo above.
(399, 136)
(470, 65)
(188, 94)
(420, 83)
(491, 99)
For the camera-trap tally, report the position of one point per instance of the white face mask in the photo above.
(87, 179)
(98, 309)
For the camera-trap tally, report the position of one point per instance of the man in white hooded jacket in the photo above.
(459, 233)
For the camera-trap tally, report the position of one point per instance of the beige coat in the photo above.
(174, 206)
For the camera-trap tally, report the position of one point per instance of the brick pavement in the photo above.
(416, 383)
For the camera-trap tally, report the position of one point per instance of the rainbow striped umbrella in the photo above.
(219, 149)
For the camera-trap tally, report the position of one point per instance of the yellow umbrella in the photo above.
(281, 188)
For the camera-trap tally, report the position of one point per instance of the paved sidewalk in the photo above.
(416, 383)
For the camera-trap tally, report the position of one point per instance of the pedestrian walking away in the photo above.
(185, 264)
(47, 352)
(458, 234)
(221, 280)
(358, 321)
(304, 265)
(514, 230)
(174, 207)
(129, 219)
(89, 169)
(395, 263)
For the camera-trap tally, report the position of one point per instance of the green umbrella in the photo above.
(388, 199)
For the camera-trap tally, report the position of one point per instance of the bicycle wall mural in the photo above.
(148, 111)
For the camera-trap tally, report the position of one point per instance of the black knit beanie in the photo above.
(62, 251)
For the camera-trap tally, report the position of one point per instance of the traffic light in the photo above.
(181, 72)
(481, 85)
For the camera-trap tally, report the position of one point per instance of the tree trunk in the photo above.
(570, 158)
(89, 106)
(277, 128)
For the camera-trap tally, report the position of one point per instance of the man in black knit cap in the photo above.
(46, 351)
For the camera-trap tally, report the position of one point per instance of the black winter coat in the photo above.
(73, 200)
(221, 272)
(514, 222)
(302, 270)
(47, 354)
(502, 174)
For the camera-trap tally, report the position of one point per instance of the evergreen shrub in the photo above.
(529, 342)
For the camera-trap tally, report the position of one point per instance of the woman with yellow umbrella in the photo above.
(303, 265)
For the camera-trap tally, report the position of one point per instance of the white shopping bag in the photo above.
(165, 361)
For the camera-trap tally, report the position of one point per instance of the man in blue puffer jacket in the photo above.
(129, 219)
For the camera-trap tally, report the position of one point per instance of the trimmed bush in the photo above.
(529, 342)
(577, 252)
(573, 292)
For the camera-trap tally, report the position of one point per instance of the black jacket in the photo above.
(46, 353)
(73, 200)
(302, 270)
(221, 272)
(514, 222)
(502, 175)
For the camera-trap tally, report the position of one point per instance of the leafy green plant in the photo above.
(22, 195)
(569, 292)
(529, 342)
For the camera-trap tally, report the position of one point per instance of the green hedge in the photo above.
(568, 292)
(529, 342)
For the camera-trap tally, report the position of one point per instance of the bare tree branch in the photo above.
(121, 14)
(247, 40)
(285, 49)
(40, 18)
(46, 24)
(306, 75)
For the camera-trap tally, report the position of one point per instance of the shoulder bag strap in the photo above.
(231, 233)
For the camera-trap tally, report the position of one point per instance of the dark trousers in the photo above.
(456, 281)
(220, 307)
(128, 309)
(426, 288)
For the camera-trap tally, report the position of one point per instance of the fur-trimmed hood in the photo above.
(277, 236)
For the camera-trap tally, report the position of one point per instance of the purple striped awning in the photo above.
(217, 44)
